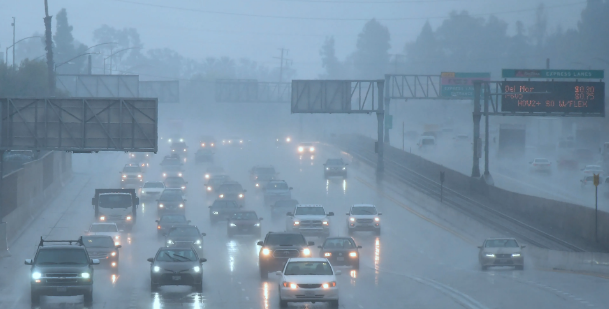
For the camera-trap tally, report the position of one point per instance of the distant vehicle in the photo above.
(261, 174)
(592, 169)
(426, 142)
(340, 251)
(309, 219)
(314, 274)
(105, 229)
(430, 134)
(306, 148)
(243, 222)
(335, 167)
(176, 266)
(231, 190)
(172, 166)
(278, 248)
(588, 180)
(283, 140)
(213, 170)
(233, 141)
(204, 155)
(541, 165)
(171, 201)
(53, 269)
(131, 175)
(116, 206)
(214, 182)
(207, 142)
(103, 248)
(364, 217)
(167, 221)
(277, 190)
(180, 235)
(152, 189)
(501, 252)
(139, 156)
(176, 182)
(222, 210)
(179, 147)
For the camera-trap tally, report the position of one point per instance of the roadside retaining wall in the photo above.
(26, 191)
(592, 262)
(554, 217)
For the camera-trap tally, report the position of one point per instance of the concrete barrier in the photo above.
(592, 262)
(26, 191)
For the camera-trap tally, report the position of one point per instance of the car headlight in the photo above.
(173, 150)
(180, 174)
(158, 227)
(377, 219)
(116, 243)
(324, 222)
(288, 139)
(208, 188)
(515, 254)
(241, 142)
(257, 224)
(296, 222)
(353, 254)
(221, 195)
(181, 205)
(212, 144)
(306, 251)
(113, 254)
(327, 168)
(170, 242)
(312, 149)
(328, 285)
(183, 187)
(124, 176)
(290, 285)
(233, 225)
(207, 176)
(327, 254)
(257, 185)
(161, 205)
(117, 237)
(344, 168)
(156, 269)
(143, 191)
(184, 149)
(102, 218)
(36, 275)
(196, 269)
(198, 242)
(128, 218)
(266, 251)
(300, 149)
(215, 212)
(490, 255)
(85, 275)
(241, 195)
(139, 176)
(352, 219)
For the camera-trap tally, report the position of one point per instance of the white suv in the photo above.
(152, 189)
(309, 219)
(364, 217)
(308, 280)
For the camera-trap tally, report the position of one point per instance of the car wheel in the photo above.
(334, 303)
(264, 273)
(153, 287)
(198, 287)
(35, 298)
(89, 297)
(283, 303)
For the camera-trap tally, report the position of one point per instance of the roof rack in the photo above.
(79, 241)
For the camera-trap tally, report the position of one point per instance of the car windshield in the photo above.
(184, 232)
(335, 162)
(231, 188)
(98, 242)
(103, 228)
(171, 195)
(250, 215)
(314, 211)
(308, 268)
(173, 219)
(62, 256)
(541, 161)
(132, 169)
(174, 180)
(115, 200)
(286, 203)
(339, 243)
(428, 141)
(501, 243)
(177, 255)
(218, 181)
(172, 168)
(277, 186)
(154, 185)
(285, 240)
(225, 204)
(363, 210)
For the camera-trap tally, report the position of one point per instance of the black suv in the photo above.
(222, 210)
(171, 201)
(277, 248)
(61, 268)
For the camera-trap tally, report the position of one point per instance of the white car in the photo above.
(541, 165)
(108, 229)
(152, 188)
(309, 219)
(364, 217)
(592, 169)
(308, 280)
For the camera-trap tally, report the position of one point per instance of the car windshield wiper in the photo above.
(181, 256)
(71, 263)
(286, 245)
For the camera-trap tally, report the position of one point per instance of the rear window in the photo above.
(98, 242)
(103, 228)
(154, 185)
(231, 187)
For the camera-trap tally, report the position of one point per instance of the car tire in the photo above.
(283, 303)
(333, 303)
(34, 298)
(264, 273)
(88, 298)
(154, 287)
(198, 287)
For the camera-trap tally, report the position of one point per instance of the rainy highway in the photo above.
(425, 257)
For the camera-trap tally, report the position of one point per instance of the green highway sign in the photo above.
(389, 121)
(573, 74)
(460, 85)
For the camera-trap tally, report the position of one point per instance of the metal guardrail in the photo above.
(486, 215)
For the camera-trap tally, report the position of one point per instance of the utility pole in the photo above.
(13, 24)
(49, 48)
(284, 52)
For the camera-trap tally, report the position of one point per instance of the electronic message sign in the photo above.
(553, 97)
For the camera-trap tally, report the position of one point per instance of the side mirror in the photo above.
(359, 247)
(119, 246)
(260, 218)
(479, 247)
(278, 273)
(522, 247)
(151, 260)
(347, 214)
(202, 260)
(28, 262)
(319, 247)
(260, 243)
(380, 213)
(330, 214)
(338, 272)
(291, 188)
(157, 221)
(310, 243)
(95, 262)
(289, 214)
(203, 234)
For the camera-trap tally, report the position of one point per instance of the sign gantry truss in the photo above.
(251, 91)
(79, 124)
(99, 86)
(337, 96)
(412, 86)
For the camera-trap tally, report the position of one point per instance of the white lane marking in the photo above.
(461, 298)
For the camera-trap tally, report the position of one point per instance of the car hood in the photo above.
(311, 279)
(364, 216)
(47, 269)
(310, 217)
(501, 250)
(177, 266)
(244, 222)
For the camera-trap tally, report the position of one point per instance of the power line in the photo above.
(334, 18)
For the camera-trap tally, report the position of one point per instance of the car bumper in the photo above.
(177, 279)
(502, 261)
(62, 290)
(308, 295)
(129, 181)
(364, 226)
(305, 231)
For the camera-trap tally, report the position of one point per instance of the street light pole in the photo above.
(114, 53)
(13, 47)
(13, 24)
(58, 65)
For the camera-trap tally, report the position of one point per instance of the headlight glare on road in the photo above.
(515, 254)
(306, 251)
(266, 251)
(490, 255)
(85, 275)
(156, 269)
(36, 275)
(196, 269)
(327, 254)
(233, 225)
(353, 254)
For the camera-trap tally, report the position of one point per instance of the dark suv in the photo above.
(277, 248)
(61, 268)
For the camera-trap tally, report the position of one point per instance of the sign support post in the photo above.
(380, 116)
(487, 175)
(596, 183)
(477, 116)
(387, 101)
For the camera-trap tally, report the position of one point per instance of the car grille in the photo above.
(131, 177)
(309, 286)
(115, 217)
(69, 280)
(304, 296)
(55, 275)
(187, 243)
(364, 220)
(184, 278)
(311, 224)
(286, 253)
(503, 256)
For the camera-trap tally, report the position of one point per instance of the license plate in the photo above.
(62, 289)
(309, 293)
(340, 258)
(504, 261)
(176, 278)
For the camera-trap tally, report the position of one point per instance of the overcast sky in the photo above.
(258, 28)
